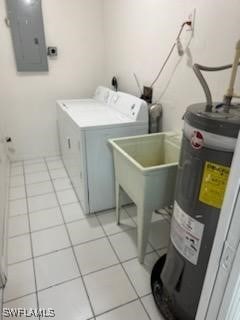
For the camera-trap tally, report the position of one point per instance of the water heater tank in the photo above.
(209, 140)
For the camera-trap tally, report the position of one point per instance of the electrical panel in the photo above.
(27, 30)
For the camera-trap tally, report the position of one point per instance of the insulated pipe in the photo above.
(198, 67)
(230, 91)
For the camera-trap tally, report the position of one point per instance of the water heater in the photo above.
(209, 138)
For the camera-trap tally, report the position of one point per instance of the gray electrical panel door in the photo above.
(26, 23)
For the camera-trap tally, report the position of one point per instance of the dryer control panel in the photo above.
(127, 104)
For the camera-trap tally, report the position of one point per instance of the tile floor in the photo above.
(82, 267)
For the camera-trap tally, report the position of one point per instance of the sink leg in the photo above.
(118, 204)
(144, 217)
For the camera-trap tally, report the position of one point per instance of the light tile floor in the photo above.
(82, 267)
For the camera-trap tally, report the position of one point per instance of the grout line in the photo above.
(88, 241)
(71, 280)
(30, 212)
(31, 243)
(15, 164)
(35, 231)
(78, 245)
(125, 272)
(59, 205)
(72, 246)
(27, 173)
(115, 308)
(44, 193)
(52, 158)
(16, 199)
(2, 302)
(15, 186)
(42, 210)
(34, 183)
(17, 215)
(79, 219)
(31, 162)
(101, 269)
(60, 283)
(41, 255)
(54, 169)
(47, 228)
(74, 254)
(51, 192)
(65, 188)
(37, 182)
(26, 295)
(18, 262)
(33, 159)
(15, 175)
(51, 252)
(152, 246)
(44, 289)
(41, 194)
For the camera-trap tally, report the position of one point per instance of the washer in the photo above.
(85, 126)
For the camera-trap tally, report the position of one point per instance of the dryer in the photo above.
(84, 126)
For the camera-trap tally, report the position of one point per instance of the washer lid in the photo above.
(94, 115)
(220, 123)
(94, 118)
(80, 104)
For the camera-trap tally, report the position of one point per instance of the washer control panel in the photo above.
(127, 104)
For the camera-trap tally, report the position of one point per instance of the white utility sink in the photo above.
(145, 168)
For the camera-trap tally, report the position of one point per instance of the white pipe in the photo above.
(230, 91)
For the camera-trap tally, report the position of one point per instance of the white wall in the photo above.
(139, 34)
(27, 101)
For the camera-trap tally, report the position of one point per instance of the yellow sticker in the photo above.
(214, 184)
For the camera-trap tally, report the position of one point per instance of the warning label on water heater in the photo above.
(214, 182)
(186, 234)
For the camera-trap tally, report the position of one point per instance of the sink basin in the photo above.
(146, 168)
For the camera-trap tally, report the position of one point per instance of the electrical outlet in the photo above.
(191, 17)
(52, 51)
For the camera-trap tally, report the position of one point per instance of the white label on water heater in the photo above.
(186, 234)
